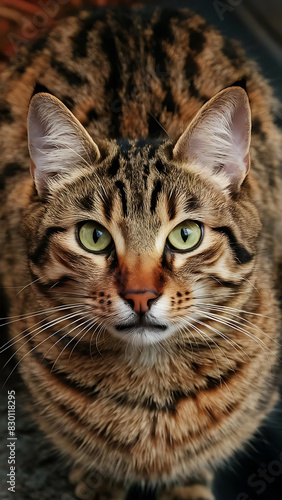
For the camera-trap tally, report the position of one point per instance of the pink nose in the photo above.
(139, 300)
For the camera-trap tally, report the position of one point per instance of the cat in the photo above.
(145, 244)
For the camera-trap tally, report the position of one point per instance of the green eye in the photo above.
(186, 236)
(94, 237)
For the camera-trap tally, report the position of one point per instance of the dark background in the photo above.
(255, 473)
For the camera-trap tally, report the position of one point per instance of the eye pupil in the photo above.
(185, 233)
(96, 235)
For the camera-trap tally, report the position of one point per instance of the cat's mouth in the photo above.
(139, 326)
(141, 330)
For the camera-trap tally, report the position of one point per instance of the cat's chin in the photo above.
(139, 336)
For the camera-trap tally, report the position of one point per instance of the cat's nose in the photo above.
(140, 300)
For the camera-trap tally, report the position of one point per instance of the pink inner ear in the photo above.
(218, 138)
(241, 129)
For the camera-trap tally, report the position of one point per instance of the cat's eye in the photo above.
(93, 237)
(186, 236)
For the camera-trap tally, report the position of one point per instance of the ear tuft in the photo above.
(217, 141)
(58, 143)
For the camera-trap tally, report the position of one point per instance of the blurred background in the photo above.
(257, 23)
(255, 474)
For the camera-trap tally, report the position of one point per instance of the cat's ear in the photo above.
(58, 143)
(217, 141)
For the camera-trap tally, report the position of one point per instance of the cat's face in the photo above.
(146, 238)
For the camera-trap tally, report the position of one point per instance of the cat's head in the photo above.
(150, 239)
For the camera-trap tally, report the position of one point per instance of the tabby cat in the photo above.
(140, 255)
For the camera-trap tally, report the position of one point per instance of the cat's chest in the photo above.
(132, 403)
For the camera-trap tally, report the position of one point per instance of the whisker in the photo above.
(248, 334)
(226, 295)
(49, 325)
(252, 325)
(217, 347)
(242, 311)
(88, 326)
(235, 322)
(203, 335)
(157, 121)
(20, 317)
(183, 330)
(66, 334)
(235, 326)
(101, 330)
(225, 337)
(31, 283)
(12, 341)
(70, 341)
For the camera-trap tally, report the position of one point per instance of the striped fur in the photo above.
(155, 415)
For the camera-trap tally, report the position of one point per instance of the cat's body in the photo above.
(130, 408)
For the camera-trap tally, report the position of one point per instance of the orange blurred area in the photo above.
(22, 21)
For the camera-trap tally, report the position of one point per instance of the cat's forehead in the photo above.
(137, 168)
(135, 154)
(138, 193)
(138, 180)
(144, 173)
(147, 171)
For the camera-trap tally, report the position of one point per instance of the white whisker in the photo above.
(49, 325)
(12, 341)
(70, 341)
(31, 283)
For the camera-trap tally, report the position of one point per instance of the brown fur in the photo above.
(165, 413)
